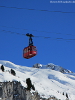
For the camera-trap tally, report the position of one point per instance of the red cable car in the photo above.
(31, 50)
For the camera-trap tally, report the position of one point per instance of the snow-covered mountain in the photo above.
(53, 67)
(49, 80)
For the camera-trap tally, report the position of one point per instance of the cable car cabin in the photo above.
(29, 52)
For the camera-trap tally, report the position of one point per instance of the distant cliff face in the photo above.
(15, 91)
(53, 67)
(12, 91)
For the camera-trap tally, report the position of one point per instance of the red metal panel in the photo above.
(29, 52)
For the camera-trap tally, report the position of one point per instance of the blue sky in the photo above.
(17, 16)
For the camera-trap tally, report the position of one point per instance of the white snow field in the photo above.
(47, 81)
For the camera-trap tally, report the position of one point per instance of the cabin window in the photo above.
(34, 49)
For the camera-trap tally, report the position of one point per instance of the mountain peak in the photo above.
(53, 67)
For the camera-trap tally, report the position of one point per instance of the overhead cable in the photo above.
(40, 36)
(40, 31)
(43, 10)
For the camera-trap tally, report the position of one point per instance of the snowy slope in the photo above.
(46, 81)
